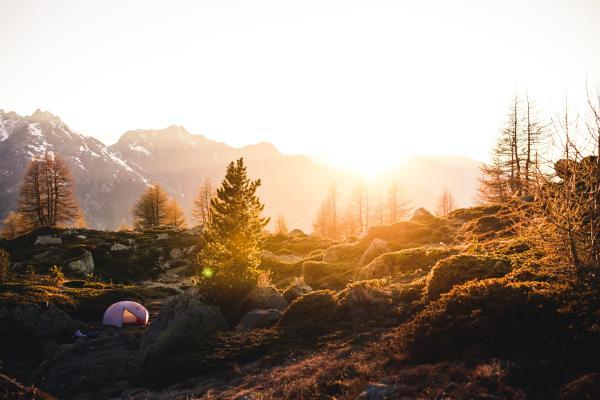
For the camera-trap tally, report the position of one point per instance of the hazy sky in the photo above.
(356, 83)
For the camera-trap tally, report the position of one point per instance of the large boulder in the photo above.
(84, 265)
(406, 261)
(264, 297)
(365, 300)
(296, 290)
(89, 368)
(258, 319)
(184, 328)
(47, 240)
(313, 314)
(29, 323)
(376, 248)
(185, 317)
(461, 268)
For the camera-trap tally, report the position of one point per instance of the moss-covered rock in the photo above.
(408, 234)
(462, 268)
(404, 261)
(310, 315)
(324, 275)
(366, 301)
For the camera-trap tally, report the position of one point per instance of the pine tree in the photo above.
(47, 193)
(174, 215)
(232, 241)
(150, 210)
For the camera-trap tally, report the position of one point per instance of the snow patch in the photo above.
(139, 149)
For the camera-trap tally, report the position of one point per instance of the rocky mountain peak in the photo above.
(41, 116)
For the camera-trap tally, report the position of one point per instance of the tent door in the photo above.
(129, 318)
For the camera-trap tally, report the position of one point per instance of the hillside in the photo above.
(458, 308)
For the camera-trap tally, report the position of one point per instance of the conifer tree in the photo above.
(150, 210)
(232, 241)
(47, 194)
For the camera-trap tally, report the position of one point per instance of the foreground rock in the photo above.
(259, 319)
(32, 323)
(97, 368)
(185, 322)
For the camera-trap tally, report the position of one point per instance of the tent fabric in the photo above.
(125, 312)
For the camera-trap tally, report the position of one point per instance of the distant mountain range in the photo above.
(109, 179)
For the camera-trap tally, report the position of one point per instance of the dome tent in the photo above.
(125, 312)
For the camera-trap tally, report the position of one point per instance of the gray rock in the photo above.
(131, 241)
(185, 317)
(258, 319)
(41, 256)
(295, 291)
(375, 249)
(377, 391)
(118, 247)
(162, 236)
(47, 240)
(176, 253)
(266, 297)
(84, 265)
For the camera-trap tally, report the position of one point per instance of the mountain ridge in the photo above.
(109, 179)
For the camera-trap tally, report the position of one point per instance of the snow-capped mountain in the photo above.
(105, 184)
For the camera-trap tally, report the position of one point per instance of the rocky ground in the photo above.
(432, 308)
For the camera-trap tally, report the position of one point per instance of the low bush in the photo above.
(492, 317)
(462, 268)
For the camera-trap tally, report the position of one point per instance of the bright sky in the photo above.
(356, 83)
